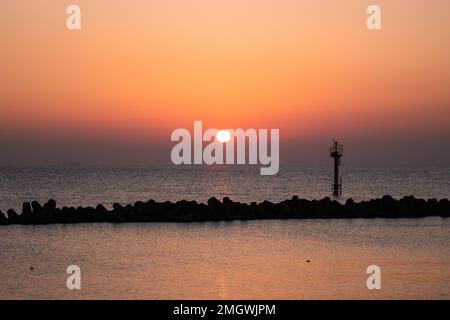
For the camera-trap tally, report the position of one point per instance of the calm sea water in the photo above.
(234, 260)
(94, 185)
(224, 260)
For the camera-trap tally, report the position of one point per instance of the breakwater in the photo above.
(228, 210)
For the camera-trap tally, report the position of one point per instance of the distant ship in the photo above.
(71, 164)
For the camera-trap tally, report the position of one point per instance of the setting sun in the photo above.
(223, 136)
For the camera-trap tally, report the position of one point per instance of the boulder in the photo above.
(50, 205)
(13, 217)
(213, 202)
(26, 210)
(37, 208)
(3, 219)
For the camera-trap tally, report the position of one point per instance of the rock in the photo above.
(101, 209)
(117, 206)
(50, 205)
(68, 215)
(13, 217)
(3, 219)
(213, 202)
(227, 200)
(37, 208)
(26, 210)
(325, 200)
(444, 208)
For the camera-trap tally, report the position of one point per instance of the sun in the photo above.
(223, 136)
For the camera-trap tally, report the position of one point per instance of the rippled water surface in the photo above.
(234, 260)
(256, 259)
(93, 185)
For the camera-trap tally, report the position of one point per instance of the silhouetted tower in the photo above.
(336, 154)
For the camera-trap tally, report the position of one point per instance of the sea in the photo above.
(285, 259)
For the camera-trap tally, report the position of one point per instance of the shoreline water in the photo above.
(228, 210)
(228, 260)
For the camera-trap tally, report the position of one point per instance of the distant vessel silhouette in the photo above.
(72, 164)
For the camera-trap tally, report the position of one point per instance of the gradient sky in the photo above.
(113, 92)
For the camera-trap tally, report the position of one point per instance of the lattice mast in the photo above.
(336, 153)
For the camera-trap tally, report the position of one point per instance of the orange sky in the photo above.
(139, 69)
